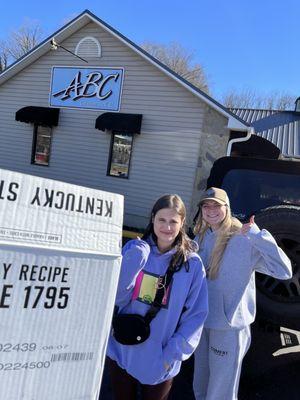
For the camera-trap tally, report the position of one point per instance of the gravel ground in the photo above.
(275, 384)
(264, 377)
(271, 385)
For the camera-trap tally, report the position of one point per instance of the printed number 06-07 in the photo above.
(54, 296)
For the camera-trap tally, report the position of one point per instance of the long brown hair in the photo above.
(229, 227)
(183, 244)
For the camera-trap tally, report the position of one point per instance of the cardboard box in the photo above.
(59, 266)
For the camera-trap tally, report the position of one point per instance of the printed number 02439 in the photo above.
(8, 347)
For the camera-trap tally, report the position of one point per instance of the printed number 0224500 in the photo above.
(28, 365)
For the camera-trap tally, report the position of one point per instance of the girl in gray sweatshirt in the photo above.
(231, 253)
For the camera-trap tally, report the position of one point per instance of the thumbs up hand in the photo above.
(246, 227)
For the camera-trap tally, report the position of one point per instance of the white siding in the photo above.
(164, 156)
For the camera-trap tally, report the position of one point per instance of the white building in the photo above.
(116, 119)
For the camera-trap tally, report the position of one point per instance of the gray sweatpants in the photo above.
(218, 361)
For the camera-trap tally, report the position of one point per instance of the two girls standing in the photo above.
(166, 260)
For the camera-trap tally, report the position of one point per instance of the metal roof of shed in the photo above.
(279, 127)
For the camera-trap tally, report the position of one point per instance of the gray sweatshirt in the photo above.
(231, 296)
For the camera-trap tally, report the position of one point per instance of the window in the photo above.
(120, 155)
(88, 47)
(41, 145)
(253, 190)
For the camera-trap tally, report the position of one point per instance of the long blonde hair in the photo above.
(229, 227)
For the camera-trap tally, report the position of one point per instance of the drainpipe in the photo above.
(297, 105)
(240, 139)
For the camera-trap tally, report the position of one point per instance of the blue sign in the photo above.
(88, 88)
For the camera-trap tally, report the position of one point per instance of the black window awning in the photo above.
(126, 123)
(44, 116)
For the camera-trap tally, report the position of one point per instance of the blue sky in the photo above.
(242, 44)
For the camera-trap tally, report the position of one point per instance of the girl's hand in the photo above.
(246, 227)
(167, 366)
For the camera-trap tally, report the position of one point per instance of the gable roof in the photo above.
(234, 122)
(279, 127)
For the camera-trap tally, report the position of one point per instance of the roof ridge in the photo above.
(198, 92)
(260, 109)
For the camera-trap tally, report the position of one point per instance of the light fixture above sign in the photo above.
(86, 88)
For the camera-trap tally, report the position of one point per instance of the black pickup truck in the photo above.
(270, 190)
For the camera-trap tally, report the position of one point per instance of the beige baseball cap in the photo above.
(216, 194)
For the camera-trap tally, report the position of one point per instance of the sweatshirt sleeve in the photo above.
(186, 338)
(135, 255)
(267, 257)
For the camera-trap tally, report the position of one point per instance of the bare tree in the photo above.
(23, 40)
(19, 42)
(180, 60)
(3, 56)
(286, 101)
(248, 98)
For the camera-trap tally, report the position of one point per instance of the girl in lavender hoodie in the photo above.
(176, 329)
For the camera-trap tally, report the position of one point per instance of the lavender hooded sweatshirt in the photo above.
(176, 329)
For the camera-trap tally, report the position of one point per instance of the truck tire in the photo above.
(279, 300)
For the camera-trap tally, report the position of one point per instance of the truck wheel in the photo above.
(279, 300)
